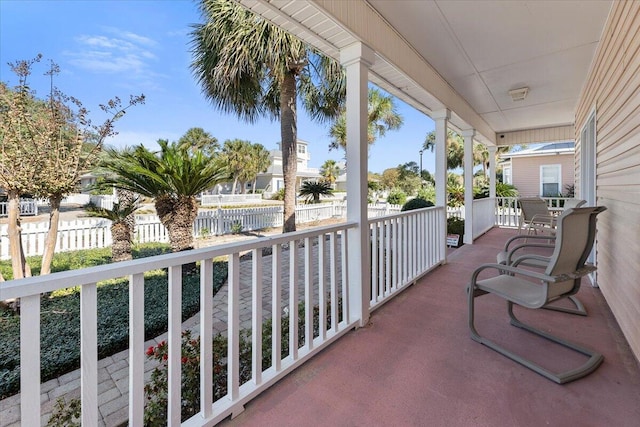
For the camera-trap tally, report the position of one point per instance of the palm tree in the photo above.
(235, 154)
(382, 116)
(455, 148)
(251, 68)
(258, 162)
(173, 177)
(330, 170)
(121, 228)
(198, 139)
(314, 189)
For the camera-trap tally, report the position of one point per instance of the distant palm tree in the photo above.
(314, 189)
(173, 177)
(248, 66)
(382, 116)
(330, 171)
(235, 154)
(258, 162)
(198, 139)
(121, 229)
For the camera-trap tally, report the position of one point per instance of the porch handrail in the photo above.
(326, 239)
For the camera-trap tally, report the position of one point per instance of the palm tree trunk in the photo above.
(121, 248)
(253, 187)
(52, 234)
(178, 217)
(289, 135)
(128, 198)
(235, 182)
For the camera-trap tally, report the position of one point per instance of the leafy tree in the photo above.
(173, 177)
(329, 171)
(312, 190)
(382, 117)
(408, 178)
(249, 67)
(46, 145)
(397, 197)
(121, 228)
(198, 139)
(390, 178)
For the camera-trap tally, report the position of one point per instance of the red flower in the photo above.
(184, 360)
(149, 351)
(165, 357)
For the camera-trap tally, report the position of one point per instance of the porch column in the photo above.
(468, 184)
(357, 59)
(442, 121)
(492, 170)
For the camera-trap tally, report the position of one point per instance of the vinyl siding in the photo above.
(526, 172)
(613, 89)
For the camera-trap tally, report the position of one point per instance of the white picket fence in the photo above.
(27, 207)
(89, 233)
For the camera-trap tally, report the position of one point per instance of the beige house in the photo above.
(544, 171)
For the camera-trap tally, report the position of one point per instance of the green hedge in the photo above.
(60, 311)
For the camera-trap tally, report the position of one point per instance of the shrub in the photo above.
(397, 197)
(416, 203)
(60, 319)
(278, 195)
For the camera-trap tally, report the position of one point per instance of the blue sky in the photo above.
(126, 47)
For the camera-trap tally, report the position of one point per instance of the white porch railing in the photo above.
(404, 247)
(508, 212)
(27, 207)
(484, 213)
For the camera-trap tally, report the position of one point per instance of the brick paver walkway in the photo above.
(113, 371)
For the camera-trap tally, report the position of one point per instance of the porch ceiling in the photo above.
(473, 53)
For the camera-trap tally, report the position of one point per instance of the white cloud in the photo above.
(125, 53)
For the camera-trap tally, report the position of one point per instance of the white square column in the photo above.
(492, 170)
(357, 59)
(441, 119)
(468, 185)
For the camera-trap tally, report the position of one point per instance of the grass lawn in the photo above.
(60, 313)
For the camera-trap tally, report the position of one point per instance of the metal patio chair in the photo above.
(531, 289)
(535, 216)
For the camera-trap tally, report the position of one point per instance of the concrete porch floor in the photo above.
(415, 364)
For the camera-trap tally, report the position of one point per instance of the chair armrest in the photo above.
(510, 269)
(524, 258)
(525, 237)
(549, 220)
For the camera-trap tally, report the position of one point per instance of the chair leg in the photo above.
(595, 359)
(579, 309)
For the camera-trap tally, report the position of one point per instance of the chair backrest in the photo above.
(573, 203)
(532, 206)
(575, 236)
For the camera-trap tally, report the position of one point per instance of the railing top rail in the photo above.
(64, 279)
(401, 214)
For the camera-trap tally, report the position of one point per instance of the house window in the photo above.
(550, 180)
(506, 175)
(302, 149)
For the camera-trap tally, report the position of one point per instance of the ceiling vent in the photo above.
(519, 94)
